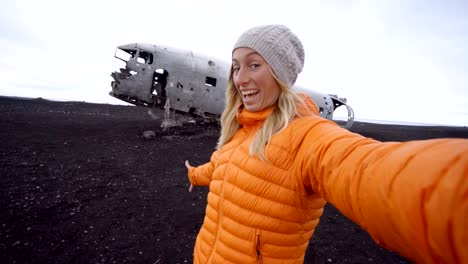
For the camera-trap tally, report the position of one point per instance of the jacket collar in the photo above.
(253, 119)
(246, 118)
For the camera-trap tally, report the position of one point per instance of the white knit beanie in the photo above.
(280, 48)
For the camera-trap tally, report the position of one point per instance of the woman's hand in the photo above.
(187, 164)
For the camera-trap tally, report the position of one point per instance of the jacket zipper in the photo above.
(219, 224)
(220, 214)
(259, 252)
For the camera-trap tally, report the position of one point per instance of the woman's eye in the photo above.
(255, 65)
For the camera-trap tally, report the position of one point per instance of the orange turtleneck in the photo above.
(253, 119)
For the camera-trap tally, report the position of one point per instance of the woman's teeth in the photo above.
(251, 92)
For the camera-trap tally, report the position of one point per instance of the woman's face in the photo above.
(254, 80)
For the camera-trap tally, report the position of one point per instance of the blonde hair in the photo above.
(286, 109)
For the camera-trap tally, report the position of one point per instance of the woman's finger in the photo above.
(187, 164)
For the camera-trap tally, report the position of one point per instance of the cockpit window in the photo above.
(145, 57)
(125, 55)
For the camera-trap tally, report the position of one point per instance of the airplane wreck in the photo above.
(161, 77)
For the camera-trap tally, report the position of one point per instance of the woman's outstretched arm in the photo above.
(411, 197)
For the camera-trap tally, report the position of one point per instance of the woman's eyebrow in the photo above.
(247, 55)
(251, 53)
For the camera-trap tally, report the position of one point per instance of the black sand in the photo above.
(80, 185)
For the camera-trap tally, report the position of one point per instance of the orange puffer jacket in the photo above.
(411, 197)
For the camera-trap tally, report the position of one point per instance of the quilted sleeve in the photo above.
(202, 175)
(411, 197)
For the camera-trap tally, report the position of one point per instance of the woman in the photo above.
(277, 163)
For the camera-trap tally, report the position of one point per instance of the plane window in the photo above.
(124, 55)
(210, 81)
(150, 59)
(145, 57)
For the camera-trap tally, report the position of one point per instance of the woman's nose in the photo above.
(242, 77)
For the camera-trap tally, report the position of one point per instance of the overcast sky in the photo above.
(393, 60)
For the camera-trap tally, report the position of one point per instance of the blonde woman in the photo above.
(277, 163)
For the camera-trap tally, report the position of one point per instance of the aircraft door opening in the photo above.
(158, 88)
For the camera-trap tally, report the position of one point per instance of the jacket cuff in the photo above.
(191, 176)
